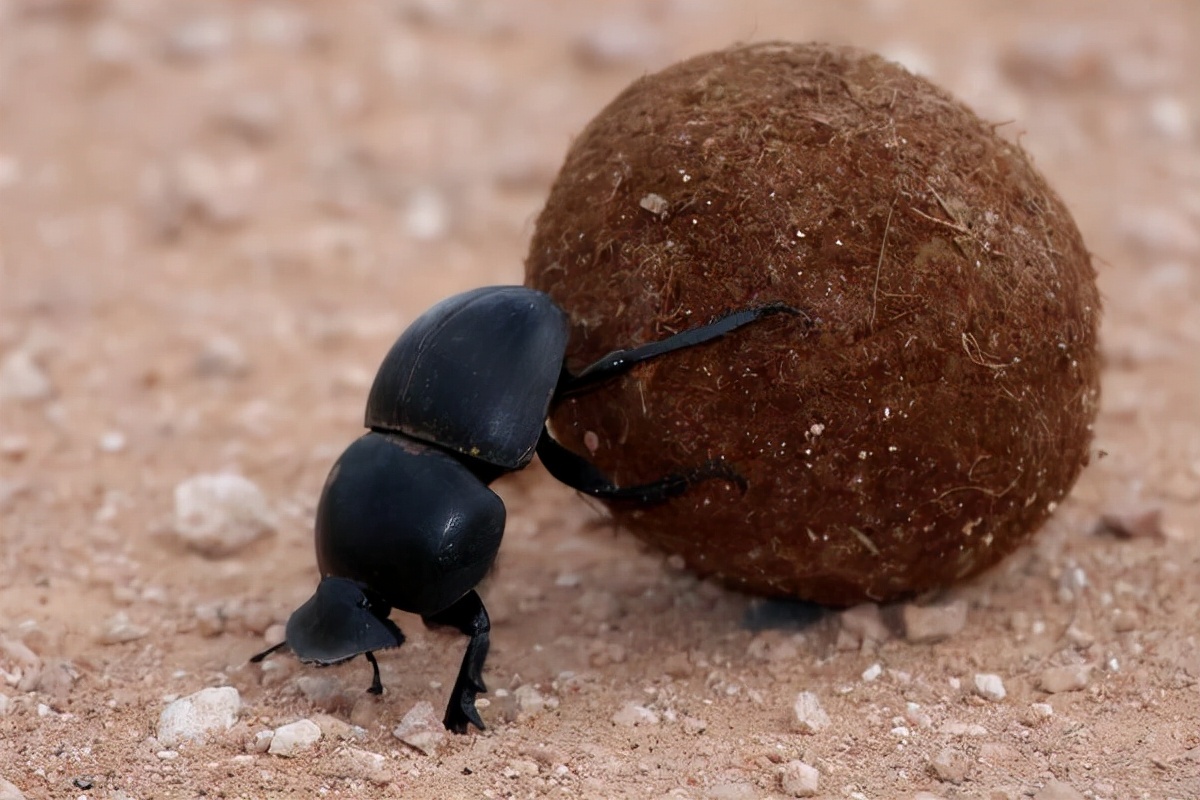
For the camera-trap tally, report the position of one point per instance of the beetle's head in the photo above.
(342, 620)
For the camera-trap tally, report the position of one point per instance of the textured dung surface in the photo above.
(938, 401)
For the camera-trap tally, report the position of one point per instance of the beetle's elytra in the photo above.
(406, 519)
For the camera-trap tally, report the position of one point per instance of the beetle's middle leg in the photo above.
(468, 616)
(582, 475)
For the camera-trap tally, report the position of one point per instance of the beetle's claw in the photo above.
(462, 713)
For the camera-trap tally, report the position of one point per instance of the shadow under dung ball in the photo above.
(937, 402)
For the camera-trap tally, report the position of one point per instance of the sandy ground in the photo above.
(216, 216)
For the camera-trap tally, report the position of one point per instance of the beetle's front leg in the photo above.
(469, 617)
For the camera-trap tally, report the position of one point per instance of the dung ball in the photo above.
(934, 401)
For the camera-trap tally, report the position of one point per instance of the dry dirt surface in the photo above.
(216, 216)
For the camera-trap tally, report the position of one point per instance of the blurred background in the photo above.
(215, 217)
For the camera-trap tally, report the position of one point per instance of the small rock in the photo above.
(9, 792)
(934, 623)
(198, 39)
(1065, 679)
(426, 217)
(255, 116)
(261, 742)
(529, 701)
(990, 687)
(222, 356)
(872, 673)
(955, 728)
(219, 515)
(112, 442)
(421, 728)
(1041, 711)
(1057, 790)
(631, 715)
(323, 691)
(950, 765)
(295, 737)
(917, 716)
(1143, 523)
(798, 779)
(809, 716)
(191, 718)
(615, 42)
(865, 622)
(119, 630)
(334, 728)
(694, 726)
(22, 379)
(363, 765)
(733, 791)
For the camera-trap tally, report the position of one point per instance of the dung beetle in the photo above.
(406, 519)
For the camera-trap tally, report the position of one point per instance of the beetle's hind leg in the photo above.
(581, 475)
(619, 362)
(468, 616)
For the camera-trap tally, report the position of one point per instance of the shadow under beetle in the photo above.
(406, 519)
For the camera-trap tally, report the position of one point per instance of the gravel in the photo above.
(632, 715)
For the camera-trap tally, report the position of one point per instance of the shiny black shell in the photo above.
(474, 374)
(408, 521)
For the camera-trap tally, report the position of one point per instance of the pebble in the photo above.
(990, 687)
(363, 765)
(221, 356)
(614, 42)
(528, 700)
(865, 622)
(9, 791)
(955, 728)
(221, 514)
(295, 737)
(1065, 679)
(631, 715)
(1143, 523)
(934, 623)
(798, 779)
(872, 673)
(119, 630)
(733, 791)
(809, 716)
(1057, 790)
(198, 39)
(421, 728)
(191, 718)
(260, 742)
(22, 379)
(950, 765)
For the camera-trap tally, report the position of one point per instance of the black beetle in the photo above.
(406, 519)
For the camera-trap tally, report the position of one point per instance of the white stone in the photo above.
(798, 779)
(934, 623)
(990, 687)
(872, 673)
(1065, 679)
(809, 716)
(22, 379)
(631, 715)
(295, 737)
(9, 792)
(421, 728)
(218, 515)
(191, 718)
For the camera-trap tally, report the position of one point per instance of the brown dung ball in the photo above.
(936, 403)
